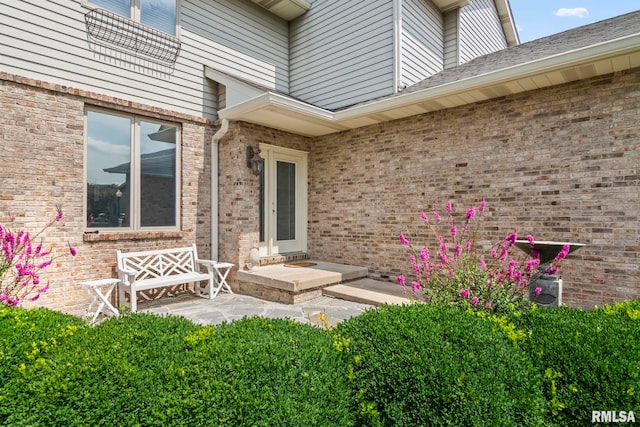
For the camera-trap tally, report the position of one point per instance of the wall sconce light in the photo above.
(254, 161)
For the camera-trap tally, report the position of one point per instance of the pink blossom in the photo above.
(401, 280)
(443, 258)
(474, 301)
(483, 204)
(449, 207)
(73, 251)
(58, 215)
(483, 263)
(458, 250)
(454, 231)
(403, 239)
(488, 304)
(562, 254)
(424, 255)
(416, 287)
(538, 291)
(436, 215)
(512, 237)
(424, 216)
(531, 264)
(530, 239)
(471, 213)
(464, 293)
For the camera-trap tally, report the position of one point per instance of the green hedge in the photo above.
(410, 365)
(590, 359)
(430, 365)
(27, 337)
(158, 371)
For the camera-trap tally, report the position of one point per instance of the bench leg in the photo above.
(132, 299)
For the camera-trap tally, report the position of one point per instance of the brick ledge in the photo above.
(131, 235)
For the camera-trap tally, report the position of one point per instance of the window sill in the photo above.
(92, 236)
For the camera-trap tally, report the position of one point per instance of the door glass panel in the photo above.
(157, 174)
(286, 201)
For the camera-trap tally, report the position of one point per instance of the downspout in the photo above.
(224, 127)
(397, 45)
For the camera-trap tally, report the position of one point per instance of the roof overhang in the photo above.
(285, 9)
(291, 115)
(447, 5)
(506, 20)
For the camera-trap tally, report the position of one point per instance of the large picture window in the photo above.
(159, 14)
(132, 169)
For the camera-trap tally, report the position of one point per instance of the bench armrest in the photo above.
(127, 272)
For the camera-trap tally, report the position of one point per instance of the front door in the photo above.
(283, 224)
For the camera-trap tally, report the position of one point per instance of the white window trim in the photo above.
(135, 179)
(135, 13)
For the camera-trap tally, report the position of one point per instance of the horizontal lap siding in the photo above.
(422, 44)
(238, 38)
(342, 52)
(48, 41)
(480, 30)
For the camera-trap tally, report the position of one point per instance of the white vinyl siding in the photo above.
(342, 52)
(480, 30)
(451, 22)
(48, 41)
(422, 42)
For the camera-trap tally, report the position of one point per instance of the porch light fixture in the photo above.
(254, 161)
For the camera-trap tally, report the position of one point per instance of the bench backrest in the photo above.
(158, 263)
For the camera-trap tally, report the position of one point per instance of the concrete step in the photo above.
(368, 291)
(295, 282)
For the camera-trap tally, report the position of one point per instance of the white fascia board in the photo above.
(274, 100)
(507, 22)
(237, 90)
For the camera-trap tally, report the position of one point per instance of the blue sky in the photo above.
(540, 18)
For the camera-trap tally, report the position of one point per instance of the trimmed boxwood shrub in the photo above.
(28, 336)
(155, 371)
(590, 359)
(424, 364)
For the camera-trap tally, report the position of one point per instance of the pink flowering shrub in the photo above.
(22, 258)
(455, 273)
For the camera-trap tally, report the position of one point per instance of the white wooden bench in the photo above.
(144, 270)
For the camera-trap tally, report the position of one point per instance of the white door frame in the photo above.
(272, 154)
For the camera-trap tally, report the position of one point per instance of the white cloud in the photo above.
(519, 28)
(578, 12)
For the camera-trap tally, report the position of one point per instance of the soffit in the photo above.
(286, 9)
(447, 5)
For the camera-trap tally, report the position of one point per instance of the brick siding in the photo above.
(560, 163)
(42, 143)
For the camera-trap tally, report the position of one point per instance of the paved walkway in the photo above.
(229, 307)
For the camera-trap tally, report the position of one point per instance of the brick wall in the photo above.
(560, 163)
(42, 140)
(239, 194)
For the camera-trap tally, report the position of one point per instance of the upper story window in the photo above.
(159, 14)
(132, 172)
